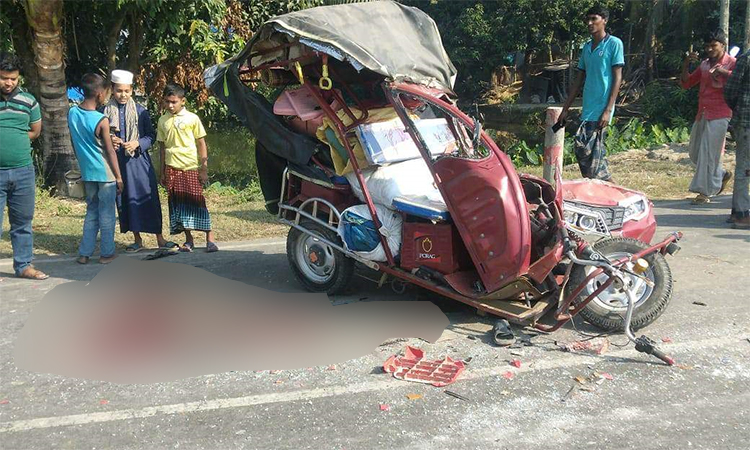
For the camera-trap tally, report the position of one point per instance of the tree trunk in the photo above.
(45, 19)
(724, 16)
(112, 37)
(746, 45)
(649, 45)
(21, 43)
(135, 41)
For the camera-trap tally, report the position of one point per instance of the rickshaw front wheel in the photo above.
(607, 310)
(318, 266)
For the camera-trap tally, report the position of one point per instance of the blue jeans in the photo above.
(17, 190)
(100, 215)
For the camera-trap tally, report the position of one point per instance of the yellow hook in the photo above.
(325, 83)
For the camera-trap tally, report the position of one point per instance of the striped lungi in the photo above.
(187, 205)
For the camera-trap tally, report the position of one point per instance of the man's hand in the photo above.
(604, 120)
(203, 175)
(691, 57)
(563, 115)
(130, 146)
(119, 185)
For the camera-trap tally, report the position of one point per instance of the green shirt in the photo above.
(18, 110)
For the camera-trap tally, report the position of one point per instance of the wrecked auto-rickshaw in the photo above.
(365, 155)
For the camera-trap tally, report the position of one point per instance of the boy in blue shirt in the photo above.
(600, 72)
(89, 131)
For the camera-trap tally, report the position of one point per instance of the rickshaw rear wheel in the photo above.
(318, 266)
(607, 311)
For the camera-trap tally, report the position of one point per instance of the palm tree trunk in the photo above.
(45, 19)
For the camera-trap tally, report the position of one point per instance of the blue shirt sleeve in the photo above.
(145, 129)
(618, 54)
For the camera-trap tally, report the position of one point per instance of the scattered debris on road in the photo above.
(516, 363)
(414, 396)
(596, 346)
(458, 396)
(384, 407)
(700, 304)
(413, 367)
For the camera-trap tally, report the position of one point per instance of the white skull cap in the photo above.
(122, 77)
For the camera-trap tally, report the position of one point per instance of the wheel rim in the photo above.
(315, 258)
(618, 301)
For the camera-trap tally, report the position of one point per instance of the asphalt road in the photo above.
(702, 403)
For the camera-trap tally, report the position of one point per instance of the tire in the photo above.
(607, 311)
(317, 266)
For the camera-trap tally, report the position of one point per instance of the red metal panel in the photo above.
(486, 202)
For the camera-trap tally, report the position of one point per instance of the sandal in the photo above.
(700, 200)
(133, 248)
(169, 245)
(211, 247)
(502, 334)
(161, 253)
(82, 260)
(32, 273)
(107, 259)
(187, 247)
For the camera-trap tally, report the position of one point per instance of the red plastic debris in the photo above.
(103, 402)
(508, 375)
(332, 367)
(384, 407)
(413, 367)
(516, 363)
(666, 340)
(4, 401)
(607, 376)
(591, 346)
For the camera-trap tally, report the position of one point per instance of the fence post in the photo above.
(553, 145)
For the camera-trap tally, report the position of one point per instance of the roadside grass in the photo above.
(239, 214)
(58, 222)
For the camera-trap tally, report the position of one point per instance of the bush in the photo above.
(668, 105)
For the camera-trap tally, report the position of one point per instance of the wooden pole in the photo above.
(553, 146)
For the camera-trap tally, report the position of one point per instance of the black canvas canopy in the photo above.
(386, 38)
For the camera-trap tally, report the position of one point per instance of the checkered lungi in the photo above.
(187, 205)
(591, 152)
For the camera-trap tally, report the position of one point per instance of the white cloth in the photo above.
(707, 139)
(408, 178)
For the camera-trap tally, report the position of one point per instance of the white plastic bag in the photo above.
(391, 229)
(408, 178)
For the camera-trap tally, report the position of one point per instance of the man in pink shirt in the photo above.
(707, 137)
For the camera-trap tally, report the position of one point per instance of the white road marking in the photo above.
(567, 360)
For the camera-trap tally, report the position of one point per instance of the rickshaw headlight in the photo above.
(570, 217)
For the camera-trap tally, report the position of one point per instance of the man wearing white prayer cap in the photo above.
(134, 134)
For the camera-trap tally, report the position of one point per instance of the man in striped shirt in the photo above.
(20, 123)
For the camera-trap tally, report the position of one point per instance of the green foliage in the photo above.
(668, 105)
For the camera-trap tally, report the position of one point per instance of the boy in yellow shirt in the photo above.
(184, 169)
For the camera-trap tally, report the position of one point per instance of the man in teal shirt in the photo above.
(20, 122)
(600, 72)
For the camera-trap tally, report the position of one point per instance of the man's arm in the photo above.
(616, 82)
(687, 79)
(202, 160)
(35, 129)
(103, 131)
(575, 88)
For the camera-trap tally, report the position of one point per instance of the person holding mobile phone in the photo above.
(707, 137)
